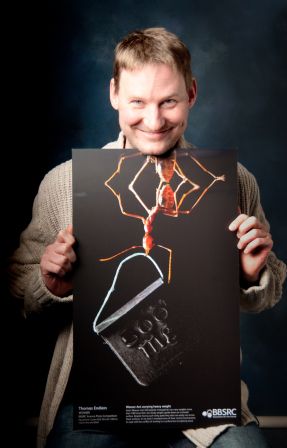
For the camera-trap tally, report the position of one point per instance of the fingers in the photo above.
(251, 233)
(58, 257)
(66, 236)
(64, 249)
(57, 260)
(255, 244)
(64, 246)
(59, 266)
(253, 239)
(243, 223)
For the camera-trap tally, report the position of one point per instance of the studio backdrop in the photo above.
(61, 101)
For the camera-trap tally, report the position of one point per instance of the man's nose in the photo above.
(153, 119)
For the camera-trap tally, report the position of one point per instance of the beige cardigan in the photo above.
(52, 211)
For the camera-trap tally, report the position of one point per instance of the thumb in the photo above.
(64, 236)
(69, 229)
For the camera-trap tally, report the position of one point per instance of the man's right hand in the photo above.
(57, 263)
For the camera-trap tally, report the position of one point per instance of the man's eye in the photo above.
(169, 102)
(136, 102)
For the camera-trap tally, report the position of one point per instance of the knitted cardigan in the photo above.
(52, 212)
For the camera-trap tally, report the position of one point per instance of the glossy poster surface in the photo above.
(156, 298)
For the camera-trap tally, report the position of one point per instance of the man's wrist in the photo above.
(246, 281)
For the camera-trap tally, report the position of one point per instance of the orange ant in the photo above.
(167, 202)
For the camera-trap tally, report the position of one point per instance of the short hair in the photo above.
(152, 46)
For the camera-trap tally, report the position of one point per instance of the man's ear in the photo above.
(113, 95)
(192, 94)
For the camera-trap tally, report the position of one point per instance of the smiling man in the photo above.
(153, 91)
(153, 103)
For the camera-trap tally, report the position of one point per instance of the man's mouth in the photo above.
(159, 133)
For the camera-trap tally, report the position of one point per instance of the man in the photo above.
(153, 91)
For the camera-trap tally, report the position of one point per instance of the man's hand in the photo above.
(254, 244)
(57, 263)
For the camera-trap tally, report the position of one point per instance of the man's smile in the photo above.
(159, 133)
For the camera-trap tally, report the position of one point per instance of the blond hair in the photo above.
(152, 46)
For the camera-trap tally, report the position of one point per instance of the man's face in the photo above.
(153, 105)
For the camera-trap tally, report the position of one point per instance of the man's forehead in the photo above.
(151, 76)
(150, 69)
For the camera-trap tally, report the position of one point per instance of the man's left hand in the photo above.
(254, 244)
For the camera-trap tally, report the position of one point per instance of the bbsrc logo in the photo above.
(220, 412)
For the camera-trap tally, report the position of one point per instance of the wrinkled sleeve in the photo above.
(270, 287)
(25, 279)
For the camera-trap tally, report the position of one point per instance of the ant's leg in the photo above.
(119, 253)
(222, 177)
(185, 179)
(169, 261)
(196, 187)
(117, 195)
(131, 185)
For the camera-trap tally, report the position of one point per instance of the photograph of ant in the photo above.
(167, 201)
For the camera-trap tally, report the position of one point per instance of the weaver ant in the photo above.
(167, 201)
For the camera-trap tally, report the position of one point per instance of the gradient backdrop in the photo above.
(60, 63)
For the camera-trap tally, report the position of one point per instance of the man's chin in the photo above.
(154, 149)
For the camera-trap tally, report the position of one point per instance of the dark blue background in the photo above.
(60, 63)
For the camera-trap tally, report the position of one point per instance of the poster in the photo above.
(156, 295)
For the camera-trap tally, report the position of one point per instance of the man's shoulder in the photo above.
(244, 175)
(64, 167)
(117, 144)
(248, 190)
(60, 174)
(111, 145)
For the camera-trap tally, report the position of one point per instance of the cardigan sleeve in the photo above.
(269, 289)
(51, 212)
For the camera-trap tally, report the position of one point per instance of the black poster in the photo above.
(156, 293)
